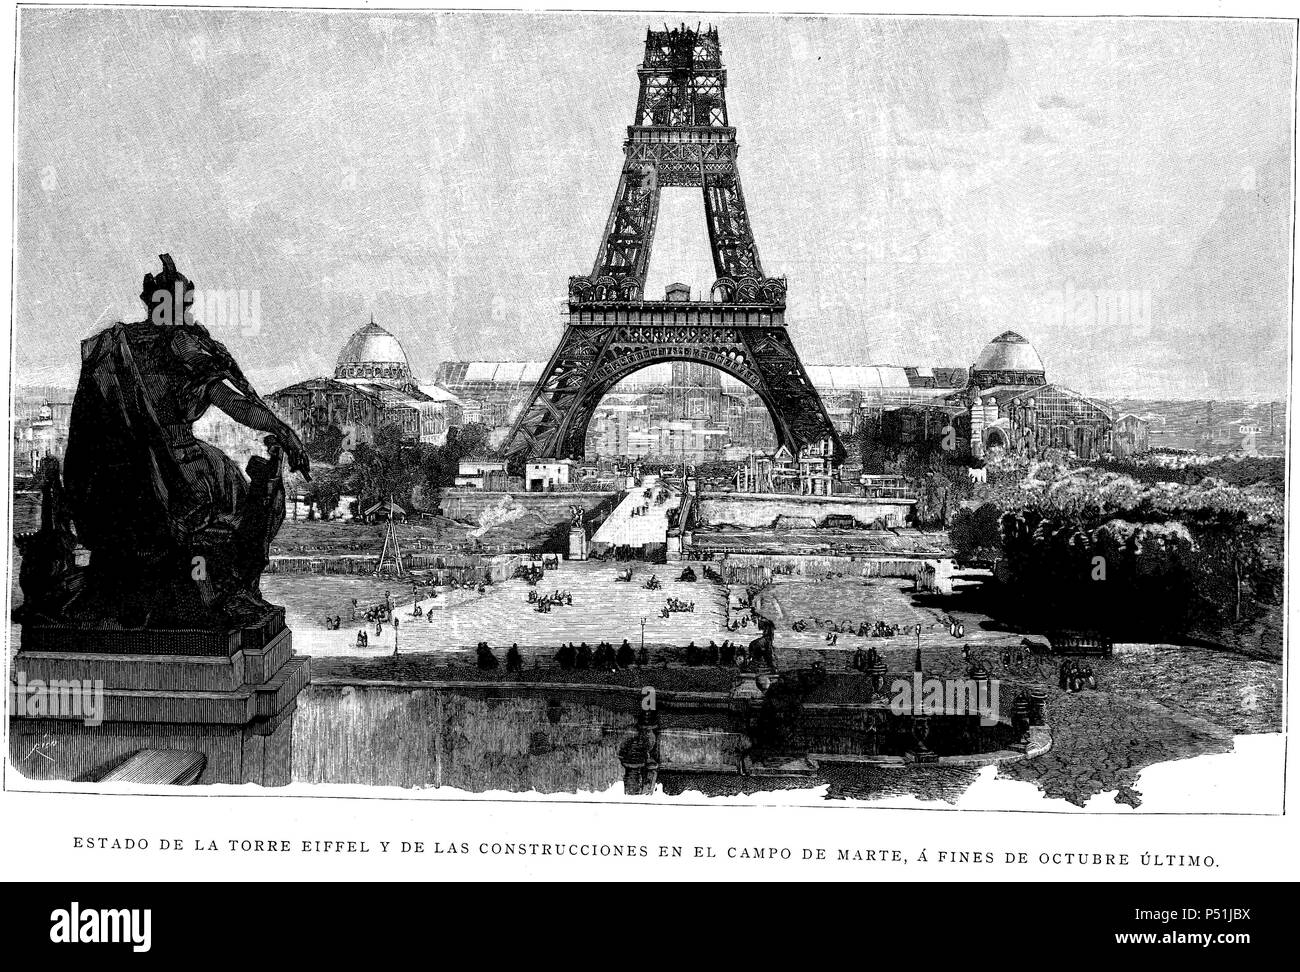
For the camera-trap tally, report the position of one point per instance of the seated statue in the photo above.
(178, 536)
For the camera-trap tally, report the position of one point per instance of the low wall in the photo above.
(757, 569)
(463, 568)
(468, 505)
(496, 735)
(761, 510)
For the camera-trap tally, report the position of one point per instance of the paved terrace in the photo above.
(603, 609)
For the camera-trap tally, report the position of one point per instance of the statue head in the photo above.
(168, 295)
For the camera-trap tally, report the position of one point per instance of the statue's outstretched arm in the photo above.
(253, 413)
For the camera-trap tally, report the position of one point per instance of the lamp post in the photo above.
(643, 620)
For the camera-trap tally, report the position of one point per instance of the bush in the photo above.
(1088, 547)
(976, 535)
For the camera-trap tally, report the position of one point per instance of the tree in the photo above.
(471, 440)
(975, 534)
(325, 443)
(326, 489)
(940, 483)
(391, 466)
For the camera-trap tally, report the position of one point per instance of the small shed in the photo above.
(383, 510)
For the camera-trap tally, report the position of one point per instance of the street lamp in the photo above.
(643, 635)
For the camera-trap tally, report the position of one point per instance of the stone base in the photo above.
(229, 696)
(577, 543)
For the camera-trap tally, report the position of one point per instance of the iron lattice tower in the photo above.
(390, 558)
(681, 137)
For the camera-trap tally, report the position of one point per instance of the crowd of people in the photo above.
(531, 573)
(730, 655)
(603, 658)
(486, 659)
(363, 634)
(542, 603)
(675, 606)
(377, 614)
(1075, 676)
(863, 629)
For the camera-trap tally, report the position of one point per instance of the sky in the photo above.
(1118, 191)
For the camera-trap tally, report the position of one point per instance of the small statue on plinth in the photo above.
(639, 755)
(178, 536)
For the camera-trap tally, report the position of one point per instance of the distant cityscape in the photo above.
(682, 410)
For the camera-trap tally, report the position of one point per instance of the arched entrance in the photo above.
(590, 362)
(682, 411)
(573, 433)
(996, 439)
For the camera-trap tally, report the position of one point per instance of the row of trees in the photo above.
(1092, 548)
(411, 473)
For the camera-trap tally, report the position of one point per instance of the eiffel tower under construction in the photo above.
(681, 136)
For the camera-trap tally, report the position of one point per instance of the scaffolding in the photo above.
(390, 558)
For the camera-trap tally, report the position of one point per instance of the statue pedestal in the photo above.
(577, 543)
(228, 696)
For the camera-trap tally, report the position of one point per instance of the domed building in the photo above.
(373, 354)
(372, 386)
(1008, 360)
(1012, 407)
